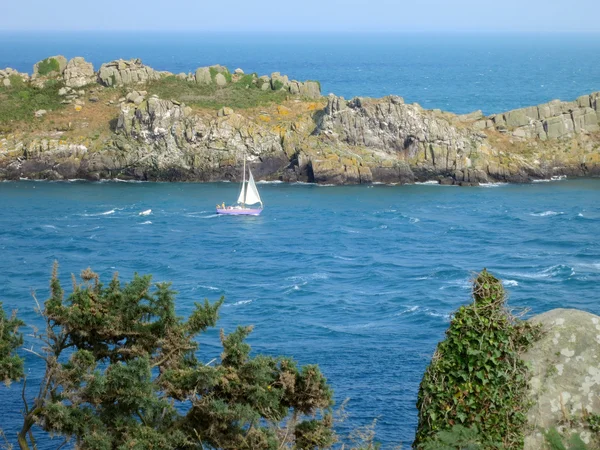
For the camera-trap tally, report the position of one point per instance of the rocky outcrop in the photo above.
(565, 368)
(58, 62)
(79, 73)
(8, 73)
(165, 137)
(121, 72)
(556, 119)
(215, 74)
(427, 142)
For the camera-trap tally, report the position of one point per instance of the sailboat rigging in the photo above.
(248, 198)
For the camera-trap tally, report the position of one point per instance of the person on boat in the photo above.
(223, 205)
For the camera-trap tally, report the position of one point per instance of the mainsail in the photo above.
(249, 193)
(252, 195)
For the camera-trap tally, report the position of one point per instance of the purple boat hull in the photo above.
(239, 212)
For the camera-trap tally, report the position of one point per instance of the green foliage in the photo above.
(459, 438)
(47, 66)
(240, 95)
(555, 441)
(11, 365)
(248, 81)
(122, 371)
(476, 376)
(277, 85)
(594, 422)
(19, 101)
(213, 74)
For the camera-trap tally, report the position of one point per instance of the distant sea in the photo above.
(456, 72)
(361, 280)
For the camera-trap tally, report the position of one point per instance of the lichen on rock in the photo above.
(565, 369)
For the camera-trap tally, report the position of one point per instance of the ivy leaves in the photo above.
(476, 377)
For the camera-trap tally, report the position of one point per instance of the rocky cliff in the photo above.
(130, 121)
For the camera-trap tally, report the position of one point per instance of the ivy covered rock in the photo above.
(565, 383)
(476, 378)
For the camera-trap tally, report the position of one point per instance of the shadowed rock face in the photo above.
(565, 367)
(161, 135)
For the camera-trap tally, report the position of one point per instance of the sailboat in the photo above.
(247, 200)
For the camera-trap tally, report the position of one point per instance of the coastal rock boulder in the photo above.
(49, 67)
(565, 368)
(8, 73)
(203, 75)
(121, 72)
(216, 74)
(79, 73)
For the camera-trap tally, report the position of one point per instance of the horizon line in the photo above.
(300, 32)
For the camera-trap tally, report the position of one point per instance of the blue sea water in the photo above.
(455, 72)
(361, 279)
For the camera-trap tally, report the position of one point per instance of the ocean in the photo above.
(454, 72)
(361, 280)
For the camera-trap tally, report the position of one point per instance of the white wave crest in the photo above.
(430, 182)
(343, 258)
(210, 288)
(269, 182)
(492, 185)
(547, 213)
(147, 222)
(410, 310)
(146, 212)
(510, 283)
(242, 302)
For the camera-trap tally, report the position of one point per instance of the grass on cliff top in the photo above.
(19, 102)
(241, 95)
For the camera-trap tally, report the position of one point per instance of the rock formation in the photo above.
(307, 138)
(6, 74)
(565, 367)
(59, 62)
(121, 72)
(165, 136)
(79, 73)
(549, 121)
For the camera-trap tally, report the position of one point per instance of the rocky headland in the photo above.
(127, 120)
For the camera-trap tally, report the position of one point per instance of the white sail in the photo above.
(241, 198)
(252, 195)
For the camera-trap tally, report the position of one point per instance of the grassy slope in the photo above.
(242, 94)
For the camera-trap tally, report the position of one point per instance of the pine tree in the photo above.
(11, 365)
(122, 372)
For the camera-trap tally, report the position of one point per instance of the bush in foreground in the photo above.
(122, 371)
(476, 378)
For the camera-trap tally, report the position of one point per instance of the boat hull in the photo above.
(239, 212)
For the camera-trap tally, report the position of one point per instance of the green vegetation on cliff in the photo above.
(476, 377)
(122, 371)
(240, 95)
(48, 66)
(20, 101)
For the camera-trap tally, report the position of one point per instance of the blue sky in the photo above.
(305, 15)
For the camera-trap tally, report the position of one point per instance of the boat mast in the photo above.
(244, 183)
